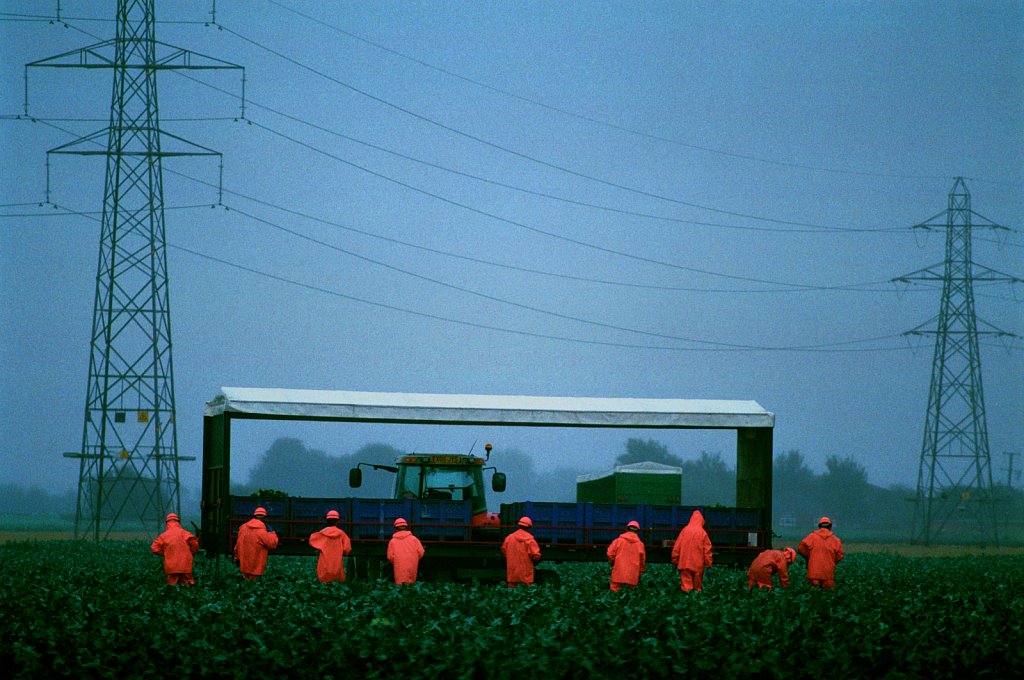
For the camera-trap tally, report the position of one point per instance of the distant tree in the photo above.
(850, 497)
(846, 471)
(797, 493)
(708, 481)
(789, 469)
(640, 451)
(298, 471)
(33, 500)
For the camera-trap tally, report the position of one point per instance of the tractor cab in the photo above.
(442, 476)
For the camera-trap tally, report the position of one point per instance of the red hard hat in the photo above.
(333, 514)
(525, 521)
(633, 524)
(172, 517)
(790, 555)
(400, 523)
(259, 512)
(824, 520)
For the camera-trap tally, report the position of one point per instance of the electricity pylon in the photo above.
(128, 470)
(955, 494)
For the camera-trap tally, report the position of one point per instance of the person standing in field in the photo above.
(255, 541)
(521, 553)
(768, 563)
(176, 545)
(628, 557)
(691, 553)
(823, 551)
(333, 544)
(404, 553)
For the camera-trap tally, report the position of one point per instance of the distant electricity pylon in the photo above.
(129, 458)
(955, 494)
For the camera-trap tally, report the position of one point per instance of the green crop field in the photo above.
(84, 610)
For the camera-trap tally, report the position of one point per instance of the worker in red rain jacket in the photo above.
(768, 563)
(404, 553)
(628, 557)
(691, 553)
(255, 540)
(176, 545)
(823, 550)
(521, 553)
(333, 544)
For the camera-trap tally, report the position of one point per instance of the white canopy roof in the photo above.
(489, 409)
(646, 468)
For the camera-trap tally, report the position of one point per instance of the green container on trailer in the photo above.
(650, 483)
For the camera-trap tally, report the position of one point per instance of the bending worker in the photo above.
(768, 563)
(521, 553)
(823, 550)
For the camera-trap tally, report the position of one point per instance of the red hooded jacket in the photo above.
(628, 558)
(404, 553)
(177, 546)
(767, 563)
(521, 553)
(823, 550)
(692, 549)
(252, 546)
(333, 544)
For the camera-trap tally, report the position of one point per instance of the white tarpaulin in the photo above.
(476, 409)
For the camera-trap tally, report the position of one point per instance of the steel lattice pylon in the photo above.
(954, 484)
(128, 472)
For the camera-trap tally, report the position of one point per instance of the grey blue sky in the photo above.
(685, 199)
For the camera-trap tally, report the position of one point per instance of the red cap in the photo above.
(525, 521)
(824, 520)
(633, 524)
(333, 514)
(259, 512)
(401, 523)
(790, 555)
(172, 517)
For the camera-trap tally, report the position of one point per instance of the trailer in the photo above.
(449, 514)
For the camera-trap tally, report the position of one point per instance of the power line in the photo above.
(818, 229)
(859, 287)
(807, 226)
(41, 18)
(597, 121)
(508, 150)
(522, 225)
(834, 348)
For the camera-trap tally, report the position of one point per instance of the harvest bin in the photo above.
(649, 483)
(552, 522)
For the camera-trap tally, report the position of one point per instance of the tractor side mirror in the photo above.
(498, 482)
(355, 478)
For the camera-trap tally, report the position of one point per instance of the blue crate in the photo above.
(310, 514)
(606, 521)
(438, 520)
(373, 518)
(242, 508)
(731, 526)
(663, 523)
(561, 523)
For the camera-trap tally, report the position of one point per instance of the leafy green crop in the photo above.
(86, 610)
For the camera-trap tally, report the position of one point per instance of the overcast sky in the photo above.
(700, 200)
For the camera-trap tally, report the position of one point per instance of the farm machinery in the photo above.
(443, 496)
